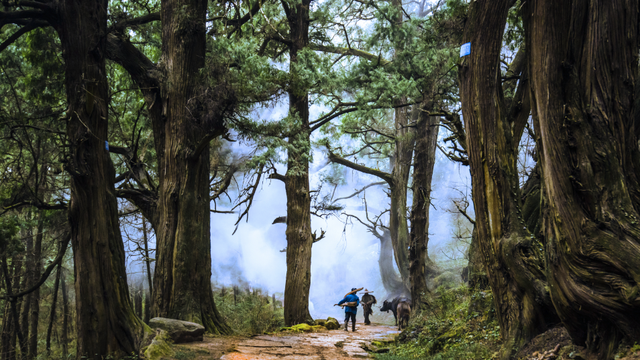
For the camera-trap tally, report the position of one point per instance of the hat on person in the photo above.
(352, 289)
(366, 291)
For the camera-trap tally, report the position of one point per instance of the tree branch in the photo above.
(141, 20)
(23, 30)
(277, 176)
(360, 191)
(381, 174)
(45, 275)
(349, 51)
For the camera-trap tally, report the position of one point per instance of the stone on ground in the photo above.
(332, 324)
(177, 330)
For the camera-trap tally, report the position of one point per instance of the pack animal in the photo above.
(393, 306)
(404, 313)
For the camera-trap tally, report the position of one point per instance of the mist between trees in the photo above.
(172, 158)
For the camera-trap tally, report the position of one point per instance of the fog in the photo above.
(348, 255)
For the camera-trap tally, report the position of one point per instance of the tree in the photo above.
(299, 237)
(187, 110)
(420, 266)
(106, 322)
(513, 257)
(584, 80)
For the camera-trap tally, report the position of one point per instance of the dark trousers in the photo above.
(367, 312)
(351, 316)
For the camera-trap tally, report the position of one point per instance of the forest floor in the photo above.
(330, 344)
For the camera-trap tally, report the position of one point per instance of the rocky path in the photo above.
(330, 344)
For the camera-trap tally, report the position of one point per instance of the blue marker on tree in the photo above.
(465, 49)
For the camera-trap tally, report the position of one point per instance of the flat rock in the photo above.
(178, 331)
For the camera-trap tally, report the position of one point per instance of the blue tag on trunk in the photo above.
(465, 49)
(106, 145)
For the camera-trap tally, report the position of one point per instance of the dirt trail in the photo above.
(329, 345)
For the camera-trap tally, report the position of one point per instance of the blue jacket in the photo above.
(350, 298)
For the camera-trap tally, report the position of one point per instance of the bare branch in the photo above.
(360, 191)
(381, 174)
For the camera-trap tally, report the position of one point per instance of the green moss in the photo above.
(159, 348)
(302, 328)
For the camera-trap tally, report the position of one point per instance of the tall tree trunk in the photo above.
(52, 316)
(147, 307)
(137, 300)
(147, 260)
(392, 283)
(35, 296)
(66, 317)
(28, 278)
(147, 256)
(8, 336)
(7, 348)
(401, 167)
(513, 257)
(106, 323)
(584, 66)
(298, 233)
(420, 265)
(182, 279)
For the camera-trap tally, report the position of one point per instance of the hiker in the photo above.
(368, 301)
(350, 304)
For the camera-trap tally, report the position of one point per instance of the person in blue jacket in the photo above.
(350, 311)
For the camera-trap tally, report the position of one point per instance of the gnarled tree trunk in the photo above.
(106, 323)
(513, 257)
(584, 66)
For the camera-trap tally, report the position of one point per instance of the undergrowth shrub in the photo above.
(445, 328)
(249, 312)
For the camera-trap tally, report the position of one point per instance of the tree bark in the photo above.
(35, 296)
(106, 323)
(391, 281)
(420, 266)
(137, 300)
(52, 316)
(584, 66)
(28, 278)
(401, 167)
(147, 295)
(298, 233)
(512, 255)
(10, 319)
(182, 279)
(64, 338)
